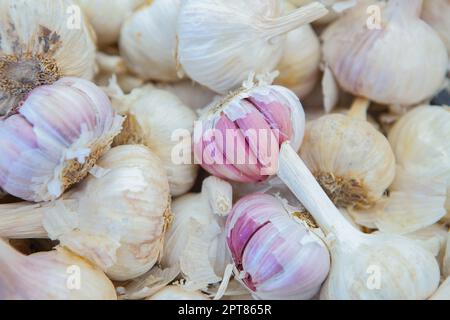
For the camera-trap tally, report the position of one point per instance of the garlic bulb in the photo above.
(177, 293)
(148, 41)
(351, 160)
(41, 42)
(54, 137)
(107, 17)
(368, 57)
(116, 217)
(432, 238)
(148, 123)
(222, 41)
(436, 13)
(58, 274)
(276, 256)
(299, 65)
(190, 93)
(443, 293)
(419, 195)
(196, 239)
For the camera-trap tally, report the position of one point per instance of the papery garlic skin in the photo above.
(148, 41)
(147, 122)
(276, 256)
(370, 61)
(54, 138)
(177, 293)
(55, 275)
(196, 238)
(222, 41)
(436, 13)
(107, 17)
(190, 93)
(41, 42)
(352, 161)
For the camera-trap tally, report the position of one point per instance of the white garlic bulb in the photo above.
(177, 293)
(433, 238)
(196, 239)
(116, 217)
(41, 41)
(55, 275)
(147, 122)
(192, 94)
(107, 16)
(148, 41)
(299, 65)
(222, 41)
(352, 161)
(54, 137)
(436, 13)
(368, 57)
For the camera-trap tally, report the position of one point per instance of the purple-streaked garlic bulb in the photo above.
(276, 255)
(54, 137)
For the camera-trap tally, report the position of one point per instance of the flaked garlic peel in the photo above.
(275, 255)
(41, 42)
(196, 238)
(55, 275)
(367, 55)
(54, 138)
(147, 123)
(116, 217)
(220, 55)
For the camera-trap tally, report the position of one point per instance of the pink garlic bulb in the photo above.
(54, 137)
(277, 256)
(239, 137)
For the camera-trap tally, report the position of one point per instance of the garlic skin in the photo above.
(54, 138)
(192, 94)
(177, 293)
(299, 65)
(436, 13)
(443, 293)
(372, 63)
(107, 17)
(150, 53)
(41, 42)
(276, 257)
(116, 217)
(196, 238)
(221, 55)
(51, 276)
(147, 123)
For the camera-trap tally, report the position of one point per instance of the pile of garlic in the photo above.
(119, 178)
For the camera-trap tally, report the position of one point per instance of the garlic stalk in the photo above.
(116, 217)
(54, 138)
(148, 41)
(107, 17)
(41, 42)
(276, 256)
(147, 122)
(270, 117)
(419, 195)
(222, 41)
(55, 275)
(336, 7)
(190, 93)
(436, 13)
(177, 293)
(299, 65)
(368, 57)
(196, 238)
(351, 160)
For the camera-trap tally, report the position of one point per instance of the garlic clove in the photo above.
(190, 93)
(54, 138)
(177, 293)
(58, 274)
(41, 42)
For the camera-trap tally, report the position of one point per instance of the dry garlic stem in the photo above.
(368, 57)
(351, 160)
(196, 238)
(41, 41)
(436, 13)
(55, 275)
(53, 139)
(178, 293)
(222, 41)
(107, 17)
(159, 120)
(116, 217)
